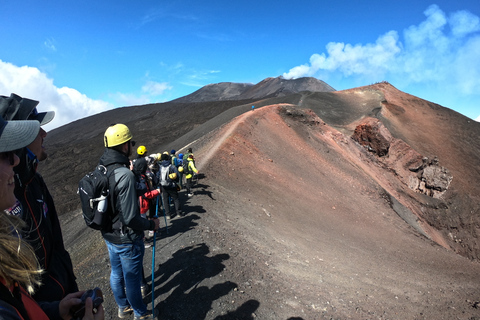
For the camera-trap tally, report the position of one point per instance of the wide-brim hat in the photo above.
(18, 108)
(17, 134)
(42, 117)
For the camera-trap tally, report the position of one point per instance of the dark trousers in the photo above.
(172, 193)
(189, 185)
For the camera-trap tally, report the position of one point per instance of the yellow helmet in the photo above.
(180, 169)
(173, 176)
(117, 134)
(141, 150)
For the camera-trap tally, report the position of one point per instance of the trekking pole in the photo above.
(153, 260)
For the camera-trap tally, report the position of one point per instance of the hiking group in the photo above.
(137, 190)
(121, 198)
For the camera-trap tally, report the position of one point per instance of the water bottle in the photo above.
(102, 203)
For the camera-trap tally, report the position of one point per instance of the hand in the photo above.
(159, 190)
(157, 224)
(70, 300)
(89, 315)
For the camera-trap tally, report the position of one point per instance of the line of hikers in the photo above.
(164, 172)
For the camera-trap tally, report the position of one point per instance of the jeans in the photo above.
(126, 275)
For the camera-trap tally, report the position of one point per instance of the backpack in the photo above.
(165, 180)
(174, 161)
(186, 167)
(94, 191)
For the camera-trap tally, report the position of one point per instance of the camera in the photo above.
(97, 299)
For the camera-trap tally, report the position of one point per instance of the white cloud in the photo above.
(68, 103)
(129, 99)
(155, 88)
(478, 119)
(463, 23)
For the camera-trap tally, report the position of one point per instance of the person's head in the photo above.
(189, 150)
(165, 157)
(180, 156)
(18, 261)
(119, 137)
(142, 151)
(18, 108)
(190, 156)
(13, 135)
(172, 152)
(140, 166)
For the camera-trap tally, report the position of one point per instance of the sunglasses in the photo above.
(9, 155)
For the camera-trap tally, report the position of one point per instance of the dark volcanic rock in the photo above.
(373, 135)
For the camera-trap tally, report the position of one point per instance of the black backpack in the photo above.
(186, 167)
(96, 195)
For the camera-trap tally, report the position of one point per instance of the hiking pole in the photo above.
(153, 260)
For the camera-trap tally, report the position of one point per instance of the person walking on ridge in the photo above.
(168, 175)
(124, 239)
(189, 170)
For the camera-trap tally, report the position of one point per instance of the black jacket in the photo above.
(128, 225)
(43, 232)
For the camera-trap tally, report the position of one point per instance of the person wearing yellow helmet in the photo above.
(124, 238)
(168, 177)
(142, 151)
(189, 171)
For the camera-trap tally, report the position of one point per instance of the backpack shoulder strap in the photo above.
(112, 184)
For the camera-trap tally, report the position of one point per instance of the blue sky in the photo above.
(83, 57)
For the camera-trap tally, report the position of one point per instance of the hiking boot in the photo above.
(148, 245)
(145, 290)
(149, 315)
(122, 313)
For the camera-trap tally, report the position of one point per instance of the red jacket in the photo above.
(145, 198)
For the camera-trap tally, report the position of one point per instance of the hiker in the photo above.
(145, 182)
(20, 271)
(124, 238)
(189, 170)
(188, 153)
(146, 189)
(168, 175)
(35, 205)
(174, 158)
(180, 170)
(146, 193)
